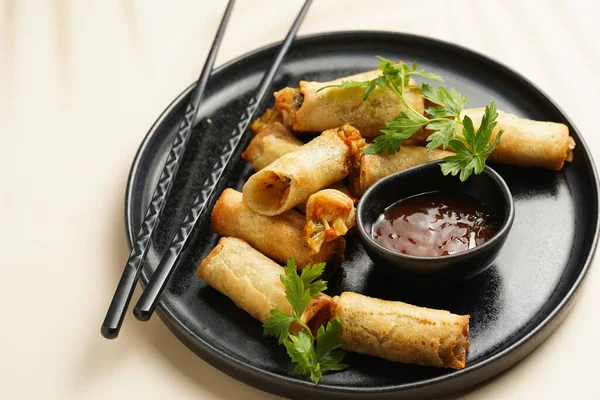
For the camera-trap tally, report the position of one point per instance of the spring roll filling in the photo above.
(320, 318)
(288, 101)
(352, 138)
(325, 225)
(277, 189)
(270, 116)
(322, 231)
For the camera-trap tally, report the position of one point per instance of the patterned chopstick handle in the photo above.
(114, 317)
(157, 284)
(163, 187)
(212, 181)
(149, 298)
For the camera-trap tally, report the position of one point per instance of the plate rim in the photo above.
(279, 384)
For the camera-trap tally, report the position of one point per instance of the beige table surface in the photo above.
(80, 84)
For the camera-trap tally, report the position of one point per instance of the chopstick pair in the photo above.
(159, 279)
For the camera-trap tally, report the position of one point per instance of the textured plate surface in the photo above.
(514, 305)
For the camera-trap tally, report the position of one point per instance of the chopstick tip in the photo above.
(109, 332)
(142, 315)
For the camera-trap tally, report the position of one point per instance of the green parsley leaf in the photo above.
(381, 81)
(317, 287)
(348, 85)
(301, 347)
(445, 131)
(309, 275)
(329, 338)
(450, 103)
(326, 357)
(398, 130)
(394, 75)
(278, 325)
(328, 341)
(368, 86)
(484, 133)
(333, 361)
(458, 164)
(388, 143)
(494, 144)
(291, 265)
(302, 353)
(393, 69)
(295, 291)
(468, 130)
(427, 75)
(475, 149)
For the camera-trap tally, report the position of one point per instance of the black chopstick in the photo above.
(156, 286)
(120, 301)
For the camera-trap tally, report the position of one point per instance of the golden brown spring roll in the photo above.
(329, 215)
(279, 237)
(374, 167)
(525, 142)
(270, 116)
(307, 110)
(269, 144)
(253, 282)
(274, 142)
(401, 332)
(528, 143)
(292, 178)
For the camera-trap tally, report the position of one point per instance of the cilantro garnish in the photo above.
(299, 289)
(472, 148)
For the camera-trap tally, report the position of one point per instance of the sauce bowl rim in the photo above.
(498, 236)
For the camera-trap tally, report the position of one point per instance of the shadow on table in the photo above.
(147, 340)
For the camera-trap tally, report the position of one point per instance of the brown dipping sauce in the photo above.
(434, 224)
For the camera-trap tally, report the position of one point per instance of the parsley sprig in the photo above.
(299, 289)
(472, 148)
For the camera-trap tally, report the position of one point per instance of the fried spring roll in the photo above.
(374, 167)
(269, 117)
(329, 215)
(525, 142)
(528, 143)
(292, 178)
(401, 332)
(270, 144)
(253, 282)
(279, 237)
(305, 109)
(274, 142)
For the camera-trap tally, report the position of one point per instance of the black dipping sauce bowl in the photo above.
(488, 188)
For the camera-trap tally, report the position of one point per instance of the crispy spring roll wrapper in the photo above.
(336, 186)
(274, 142)
(292, 178)
(374, 167)
(270, 144)
(279, 237)
(401, 332)
(270, 116)
(528, 143)
(525, 142)
(252, 281)
(329, 215)
(307, 110)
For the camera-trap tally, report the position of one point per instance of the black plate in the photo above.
(514, 305)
